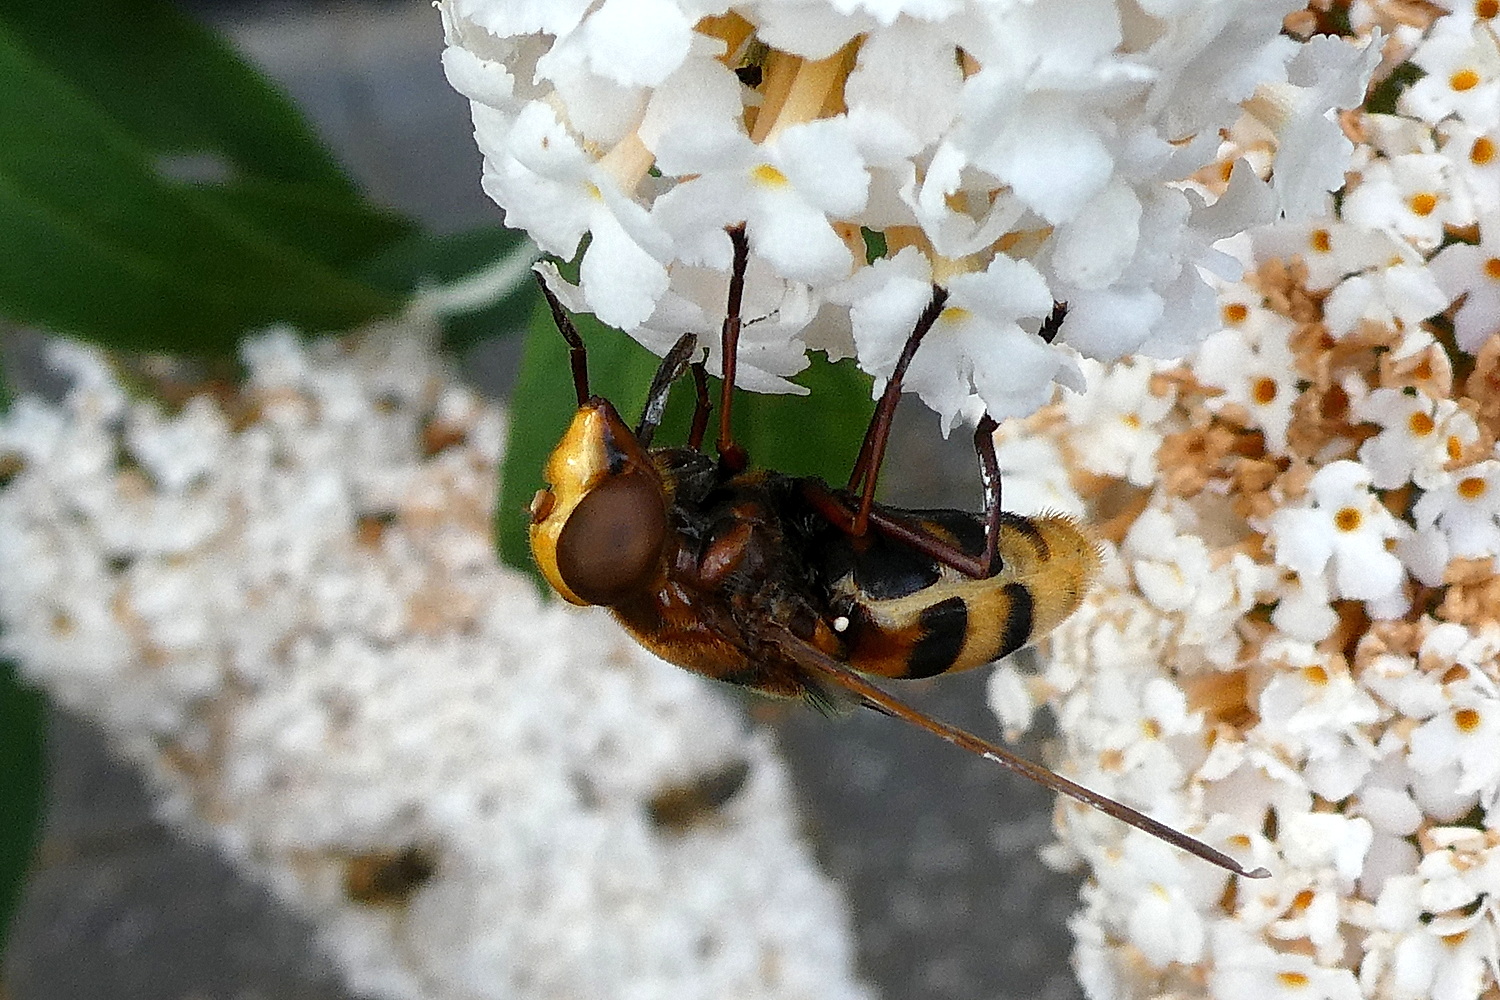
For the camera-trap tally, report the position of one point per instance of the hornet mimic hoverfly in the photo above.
(788, 586)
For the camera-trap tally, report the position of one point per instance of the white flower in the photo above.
(1247, 970)
(1395, 297)
(1463, 76)
(1121, 412)
(1467, 509)
(1473, 273)
(1027, 152)
(1411, 196)
(1475, 165)
(1344, 528)
(1331, 249)
(1419, 436)
(1251, 360)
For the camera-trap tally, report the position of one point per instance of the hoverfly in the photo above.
(788, 586)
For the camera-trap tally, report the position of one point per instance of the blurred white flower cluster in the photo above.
(1015, 152)
(284, 605)
(1295, 652)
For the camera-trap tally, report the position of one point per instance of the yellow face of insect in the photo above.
(598, 526)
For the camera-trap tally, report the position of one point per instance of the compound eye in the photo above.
(613, 539)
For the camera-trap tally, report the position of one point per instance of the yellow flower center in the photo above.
(769, 176)
(1464, 79)
(1422, 203)
(1294, 980)
(1316, 675)
(1348, 519)
(954, 314)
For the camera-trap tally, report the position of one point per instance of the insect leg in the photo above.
(670, 370)
(700, 407)
(837, 512)
(825, 667)
(577, 354)
(872, 450)
(1052, 326)
(989, 465)
(730, 454)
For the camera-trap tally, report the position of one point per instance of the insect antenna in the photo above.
(669, 371)
(827, 668)
(577, 354)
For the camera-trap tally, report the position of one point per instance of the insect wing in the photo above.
(825, 668)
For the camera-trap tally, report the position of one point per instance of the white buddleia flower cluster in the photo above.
(1013, 152)
(283, 604)
(1294, 650)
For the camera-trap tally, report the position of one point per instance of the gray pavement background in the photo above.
(935, 848)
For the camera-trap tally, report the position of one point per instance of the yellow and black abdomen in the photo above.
(908, 616)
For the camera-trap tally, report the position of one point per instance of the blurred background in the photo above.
(935, 849)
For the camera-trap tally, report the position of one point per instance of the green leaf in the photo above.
(22, 776)
(422, 261)
(104, 241)
(814, 435)
(175, 86)
(1384, 95)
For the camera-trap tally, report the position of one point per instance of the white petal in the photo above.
(1091, 251)
(637, 42)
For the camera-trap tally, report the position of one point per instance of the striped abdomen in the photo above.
(911, 617)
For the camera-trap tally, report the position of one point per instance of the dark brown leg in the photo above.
(669, 371)
(989, 475)
(732, 455)
(1053, 324)
(700, 408)
(872, 450)
(838, 513)
(577, 354)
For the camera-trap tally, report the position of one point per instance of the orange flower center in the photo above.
(1455, 447)
(1492, 268)
(1263, 390)
(1235, 312)
(1483, 150)
(1294, 980)
(1466, 719)
(1464, 79)
(1316, 675)
(1422, 203)
(1320, 240)
(1486, 9)
(1420, 424)
(1472, 487)
(1348, 519)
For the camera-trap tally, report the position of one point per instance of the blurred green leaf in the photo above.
(814, 435)
(174, 85)
(155, 193)
(22, 775)
(422, 261)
